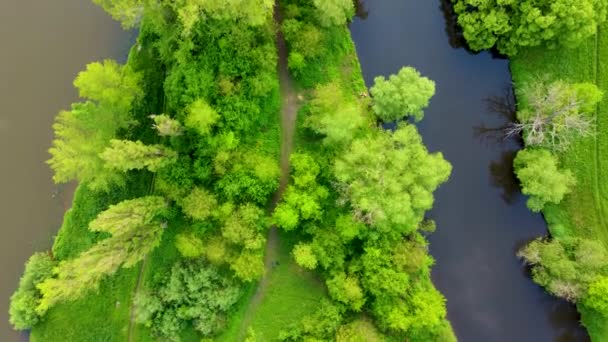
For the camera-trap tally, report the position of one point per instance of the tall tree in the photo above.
(541, 179)
(135, 229)
(125, 155)
(510, 25)
(389, 179)
(128, 12)
(334, 12)
(405, 94)
(85, 131)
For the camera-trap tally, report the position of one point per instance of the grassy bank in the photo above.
(583, 213)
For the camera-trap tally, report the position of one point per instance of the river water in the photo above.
(481, 217)
(44, 45)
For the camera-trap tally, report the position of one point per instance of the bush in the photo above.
(24, 301)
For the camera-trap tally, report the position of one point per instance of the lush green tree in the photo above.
(112, 86)
(253, 12)
(596, 297)
(189, 246)
(165, 126)
(135, 230)
(511, 25)
(359, 330)
(404, 94)
(128, 12)
(566, 267)
(201, 117)
(125, 155)
(248, 265)
(389, 179)
(334, 12)
(246, 227)
(333, 116)
(556, 113)
(346, 289)
(302, 200)
(80, 138)
(22, 310)
(303, 38)
(304, 256)
(199, 204)
(194, 293)
(85, 131)
(541, 179)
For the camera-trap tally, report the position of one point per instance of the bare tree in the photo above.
(556, 114)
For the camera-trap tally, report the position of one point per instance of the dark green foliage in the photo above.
(26, 298)
(195, 293)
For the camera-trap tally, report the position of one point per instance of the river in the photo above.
(481, 217)
(44, 45)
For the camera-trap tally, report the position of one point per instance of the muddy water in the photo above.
(481, 216)
(44, 45)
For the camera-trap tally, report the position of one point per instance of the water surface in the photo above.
(44, 45)
(481, 216)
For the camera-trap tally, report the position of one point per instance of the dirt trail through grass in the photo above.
(289, 111)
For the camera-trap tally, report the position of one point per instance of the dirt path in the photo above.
(289, 111)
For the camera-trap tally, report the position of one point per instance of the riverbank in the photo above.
(584, 212)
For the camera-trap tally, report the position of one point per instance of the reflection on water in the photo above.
(504, 178)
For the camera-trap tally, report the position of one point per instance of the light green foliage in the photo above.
(195, 293)
(253, 12)
(302, 200)
(199, 204)
(303, 38)
(22, 310)
(557, 114)
(165, 126)
(247, 176)
(248, 266)
(111, 85)
(85, 131)
(596, 297)
(304, 256)
(567, 266)
(346, 289)
(511, 25)
(79, 139)
(135, 231)
(359, 330)
(404, 94)
(246, 227)
(319, 325)
(128, 12)
(541, 179)
(333, 116)
(201, 117)
(389, 179)
(334, 12)
(189, 246)
(125, 155)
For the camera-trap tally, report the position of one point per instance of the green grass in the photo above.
(292, 294)
(582, 213)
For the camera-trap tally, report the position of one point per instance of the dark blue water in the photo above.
(481, 217)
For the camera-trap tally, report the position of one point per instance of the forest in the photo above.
(200, 212)
(238, 181)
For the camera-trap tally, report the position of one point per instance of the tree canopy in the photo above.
(510, 25)
(389, 178)
(405, 94)
(334, 12)
(541, 178)
(135, 230)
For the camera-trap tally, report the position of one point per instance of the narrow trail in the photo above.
(140, 277)
(598, 197)
(289, 111)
